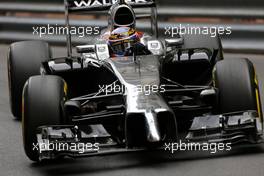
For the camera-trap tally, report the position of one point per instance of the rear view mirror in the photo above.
(209, 95)
(174, 42)
(72, 107)
(155, 47)
(86, 49)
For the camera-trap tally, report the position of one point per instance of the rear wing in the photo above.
(103, 5)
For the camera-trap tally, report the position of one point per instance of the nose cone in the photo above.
(152, 127)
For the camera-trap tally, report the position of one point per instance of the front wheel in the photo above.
(42, 105)
(238, 87)
(24, 60)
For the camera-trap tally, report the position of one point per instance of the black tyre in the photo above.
(238, 86)
(24, 60)
(43, 97)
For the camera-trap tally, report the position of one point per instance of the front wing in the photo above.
(81, 141)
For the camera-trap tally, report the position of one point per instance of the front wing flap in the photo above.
(76, 141)
(230, 128)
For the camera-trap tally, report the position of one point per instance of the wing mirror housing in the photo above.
(72, 107)
(209, 95)
(155, 47)
(175, 42)
(102, 51)
(86, 49)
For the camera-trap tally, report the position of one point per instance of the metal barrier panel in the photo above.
(246, 37)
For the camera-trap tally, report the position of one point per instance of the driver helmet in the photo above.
(122, 40)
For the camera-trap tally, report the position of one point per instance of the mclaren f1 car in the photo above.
(129, 90)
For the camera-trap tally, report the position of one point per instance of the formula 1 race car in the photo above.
(129, 91)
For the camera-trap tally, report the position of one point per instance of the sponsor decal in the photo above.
(95, 3)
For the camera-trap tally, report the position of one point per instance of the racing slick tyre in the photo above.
(43, 97)
(24, 60)
(237, 84)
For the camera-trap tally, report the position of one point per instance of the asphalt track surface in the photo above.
(241, 161)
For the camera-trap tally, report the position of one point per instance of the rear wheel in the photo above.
(24, 60)
(238, 87)
(43, 97)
